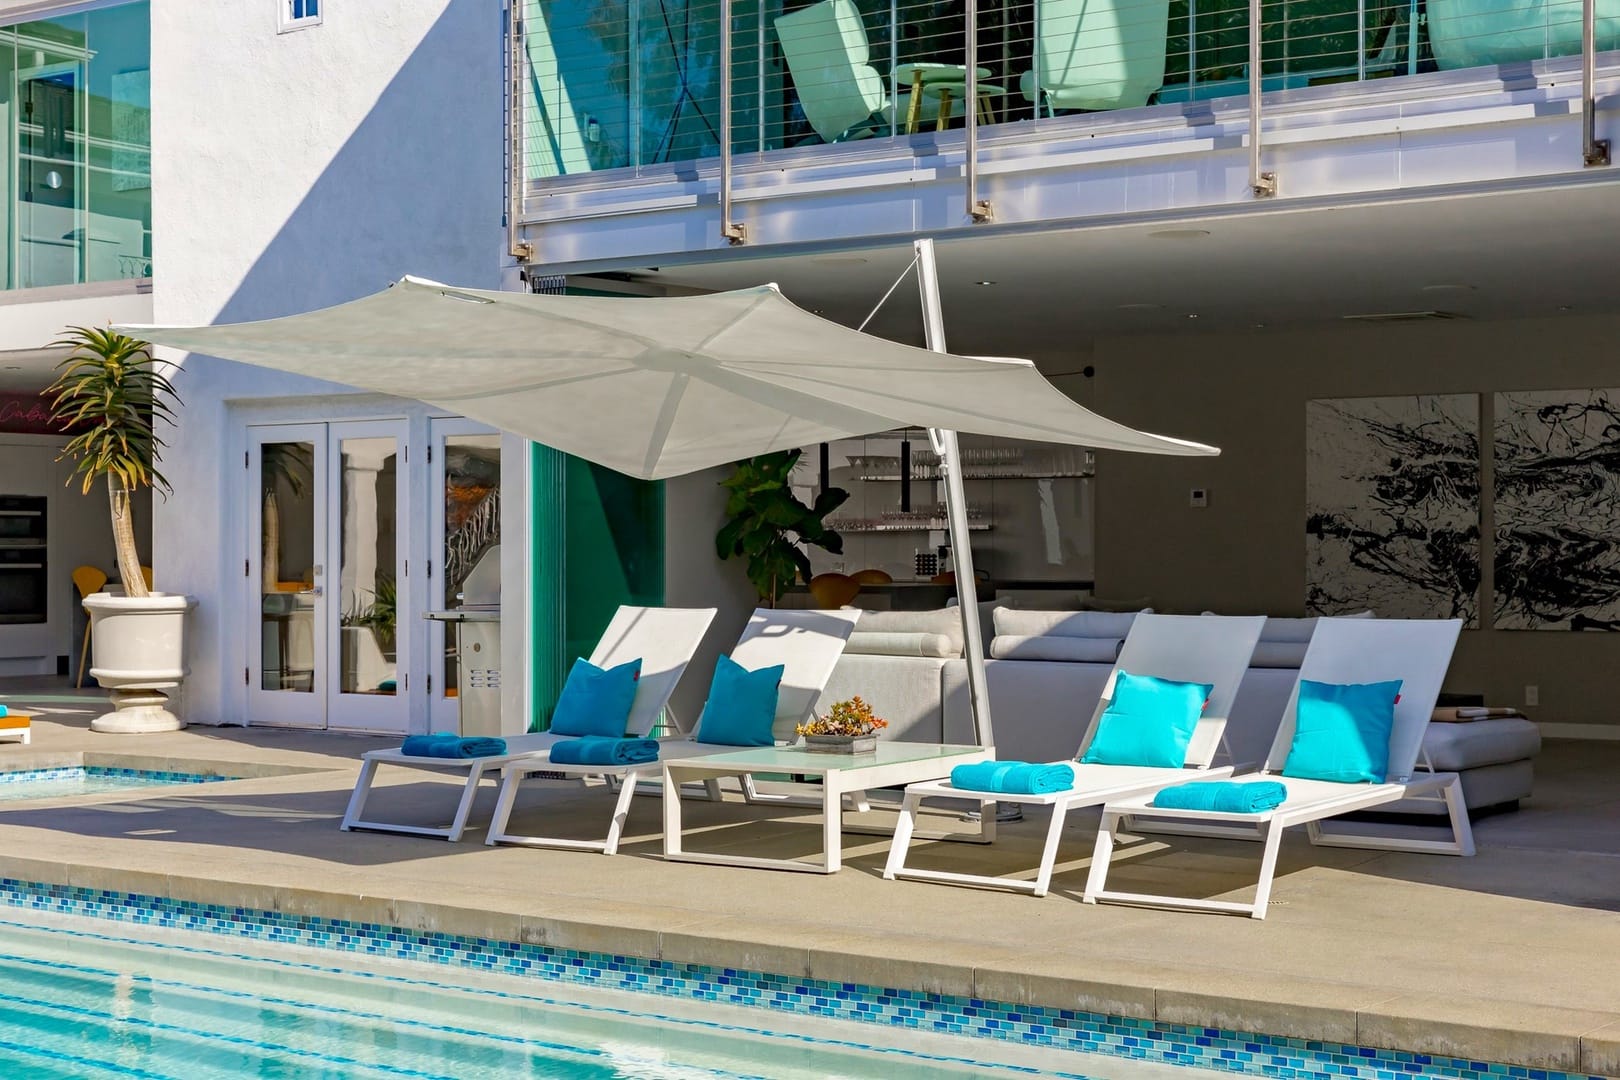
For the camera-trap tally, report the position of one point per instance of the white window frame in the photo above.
(286, 22)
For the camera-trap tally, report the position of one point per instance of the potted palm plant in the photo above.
(108, 397)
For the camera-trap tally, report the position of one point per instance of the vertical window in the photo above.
(297, 14)
(75, 167)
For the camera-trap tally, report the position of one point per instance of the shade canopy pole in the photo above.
(950, 468)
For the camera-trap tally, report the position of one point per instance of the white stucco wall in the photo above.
(293, 171)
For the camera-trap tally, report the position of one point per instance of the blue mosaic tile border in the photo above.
(105, 772)
(1123, 1037)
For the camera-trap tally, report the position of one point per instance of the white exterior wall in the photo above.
(294, 171)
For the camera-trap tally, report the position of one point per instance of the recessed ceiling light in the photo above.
(1192, 315)
(1141, 307)
(984, 283)
(1179, 234)
(1565, 307)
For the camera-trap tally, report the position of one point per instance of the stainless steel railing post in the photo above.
(731, 231)
(977, 209)
(1263, 184)
(1594, 151)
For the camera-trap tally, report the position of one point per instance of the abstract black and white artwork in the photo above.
(1392, 506)
(1557, 488)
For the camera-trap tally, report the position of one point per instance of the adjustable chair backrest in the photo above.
(1348, 651)
(807, 644)
(664, 639)
(827, 50)
(1099, 54)
(1211, 649)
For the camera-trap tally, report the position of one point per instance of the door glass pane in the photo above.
(472, 523)
(369, 485)
(287, 547)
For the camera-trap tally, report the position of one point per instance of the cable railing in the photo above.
(615, 85)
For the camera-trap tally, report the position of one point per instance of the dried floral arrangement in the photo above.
(852, 717)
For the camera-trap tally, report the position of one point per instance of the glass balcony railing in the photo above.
(627, 84)
(76, 174)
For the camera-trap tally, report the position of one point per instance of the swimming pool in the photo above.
(68, 780)
(78, 999)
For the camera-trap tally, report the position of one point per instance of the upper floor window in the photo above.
(297, 14)
(76, 164)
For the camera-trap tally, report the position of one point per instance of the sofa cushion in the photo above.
(899, 644)
(1014, 622)
(940, 622)
(1053, 647)
(1279, 654)
(1456, 747)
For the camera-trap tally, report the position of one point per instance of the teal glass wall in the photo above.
(598, 543)
(76, 174)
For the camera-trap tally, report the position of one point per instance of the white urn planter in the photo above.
(138, 652)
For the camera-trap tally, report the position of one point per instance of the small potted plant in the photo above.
(849, 727)
(108, 398)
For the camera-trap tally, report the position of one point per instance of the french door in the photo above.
(331, 616)
(465, 526)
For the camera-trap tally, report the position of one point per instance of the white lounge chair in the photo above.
(1342, 651)
(806, 643)
(1205, 649)
(826, 49)
(664, 639)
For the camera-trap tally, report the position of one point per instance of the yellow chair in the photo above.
(89, 581)
(872, 577)
(146, 574)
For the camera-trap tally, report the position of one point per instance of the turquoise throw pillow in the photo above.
(742, 705)
(595, 701)
(1341, 733)
(1149, 721)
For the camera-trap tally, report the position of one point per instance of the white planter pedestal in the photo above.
(138, 651)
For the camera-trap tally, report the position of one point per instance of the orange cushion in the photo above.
(14, 721)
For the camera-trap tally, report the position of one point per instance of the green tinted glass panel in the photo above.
(599, 543)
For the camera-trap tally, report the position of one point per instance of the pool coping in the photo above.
(1528, 1037)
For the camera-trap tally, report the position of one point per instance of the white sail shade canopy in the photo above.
(657, 386)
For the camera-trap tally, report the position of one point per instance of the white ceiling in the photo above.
(1495, 256)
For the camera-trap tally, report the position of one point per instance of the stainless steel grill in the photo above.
(477, 626)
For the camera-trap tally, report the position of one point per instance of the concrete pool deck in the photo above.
(1507, 957)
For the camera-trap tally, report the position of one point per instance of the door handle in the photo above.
(314, 591)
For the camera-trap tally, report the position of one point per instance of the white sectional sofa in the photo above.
(894, 661)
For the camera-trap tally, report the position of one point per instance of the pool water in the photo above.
(80, 1000)
(88, 780)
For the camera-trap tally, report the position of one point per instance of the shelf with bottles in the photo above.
(919, 519)
(981, 463)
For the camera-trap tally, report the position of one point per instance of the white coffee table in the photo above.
(892, 764)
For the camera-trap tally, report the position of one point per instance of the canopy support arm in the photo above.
(950, 467)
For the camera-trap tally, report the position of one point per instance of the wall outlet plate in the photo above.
(1198, 498)
(1532, 695)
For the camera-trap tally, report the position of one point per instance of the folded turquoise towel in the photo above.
(446, 745)
(4, 711)
(1223, 796)
(601, 750)
(1013, 777)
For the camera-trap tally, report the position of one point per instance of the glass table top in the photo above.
(798, 759)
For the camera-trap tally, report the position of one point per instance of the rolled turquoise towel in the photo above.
(600, 750)
(1223, 796)
(4, 711)
(1013, 777)
(445, 745)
